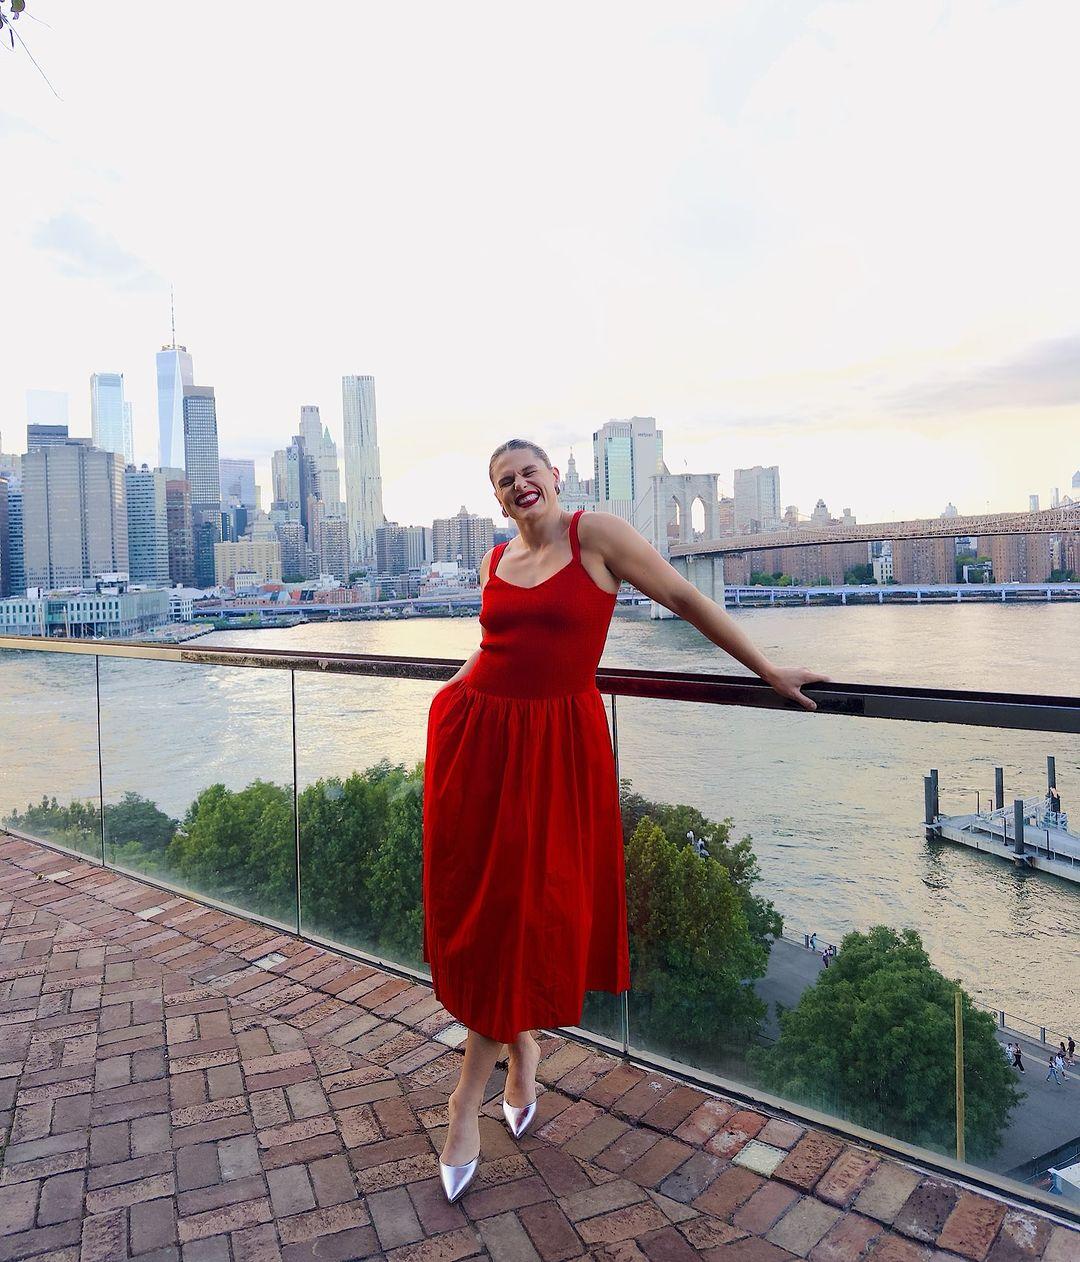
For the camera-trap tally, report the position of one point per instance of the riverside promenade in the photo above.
(181, 1085)
(1046, 1119)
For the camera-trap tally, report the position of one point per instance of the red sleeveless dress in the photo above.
(523, 873)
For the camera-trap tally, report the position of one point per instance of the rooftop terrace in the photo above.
(181, 1083)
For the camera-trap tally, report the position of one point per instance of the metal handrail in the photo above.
(1025, 711)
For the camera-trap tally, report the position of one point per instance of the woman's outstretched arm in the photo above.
(631, 558)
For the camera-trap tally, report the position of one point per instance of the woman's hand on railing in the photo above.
(788, 680)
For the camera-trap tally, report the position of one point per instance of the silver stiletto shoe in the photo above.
(455, 1179)
(518, 1118)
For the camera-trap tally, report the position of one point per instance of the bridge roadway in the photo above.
(936, 593)
(1045, 521)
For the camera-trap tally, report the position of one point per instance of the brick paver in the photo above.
(165, 1098)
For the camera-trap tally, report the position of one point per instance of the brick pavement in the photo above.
(165, 1097)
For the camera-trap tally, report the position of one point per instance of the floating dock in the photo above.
(1031, 833)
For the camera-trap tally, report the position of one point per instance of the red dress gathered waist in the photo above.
(523, 867)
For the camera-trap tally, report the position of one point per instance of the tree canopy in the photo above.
(874, 1041)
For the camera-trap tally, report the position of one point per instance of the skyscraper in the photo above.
(181, 539)
(148, 525)
(174, 376)
(238, 483)
(16, 581)
(363, 481)
(322, 448)
(39, 435)
(200, 461)
(5, 541)
(626, 455)
(757, 498)
(74, 514)
(110, 416)
(296, 482)
(463, 538)
(203, 472)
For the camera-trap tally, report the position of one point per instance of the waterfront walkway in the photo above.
(182, 1084)
(1046, 1119)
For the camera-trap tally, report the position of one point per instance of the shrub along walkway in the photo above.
(168, 1097)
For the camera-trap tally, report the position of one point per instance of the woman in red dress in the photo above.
(523, 876)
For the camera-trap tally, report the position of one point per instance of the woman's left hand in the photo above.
(787, 680)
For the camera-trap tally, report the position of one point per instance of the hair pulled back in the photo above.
(518, 444)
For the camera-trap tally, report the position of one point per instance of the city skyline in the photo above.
(1066, 485)
(768, 242)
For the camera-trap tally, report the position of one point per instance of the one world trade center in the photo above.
(174, 375)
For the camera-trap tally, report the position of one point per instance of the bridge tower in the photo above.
(681, 490)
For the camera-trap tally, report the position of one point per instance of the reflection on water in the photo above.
(834, 805)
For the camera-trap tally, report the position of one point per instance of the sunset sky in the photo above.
(841, 238)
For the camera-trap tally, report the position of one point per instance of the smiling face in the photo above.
(524, 485)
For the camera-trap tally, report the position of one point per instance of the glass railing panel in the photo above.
(359, 762)
(198, 780)
(361, 744)
(49, 784)
(808, 832)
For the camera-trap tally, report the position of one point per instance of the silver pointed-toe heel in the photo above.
(519, 1117)
(455, 1179)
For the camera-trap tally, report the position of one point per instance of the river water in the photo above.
(833, 804)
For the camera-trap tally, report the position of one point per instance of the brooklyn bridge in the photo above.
(826, 552)
(1046, 521)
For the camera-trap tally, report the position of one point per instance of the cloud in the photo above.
(1046, 374)
(82, 250)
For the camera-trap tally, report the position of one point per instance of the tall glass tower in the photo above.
(110, 416)
(626, 456)
(174, 376)
(203, 476)
(363, 481)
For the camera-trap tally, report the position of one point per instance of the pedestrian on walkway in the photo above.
(1018, 1058)
(813, 941)
(1052, 1071)
(825, 957)
(1009, 1053)
(1061, 1066)
(1071, 1050)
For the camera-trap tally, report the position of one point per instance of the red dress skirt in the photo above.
(523, 872)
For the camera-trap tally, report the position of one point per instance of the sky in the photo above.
(836, 237)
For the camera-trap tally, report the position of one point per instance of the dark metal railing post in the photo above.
(295, 793)
(100, 771)
(624, 998)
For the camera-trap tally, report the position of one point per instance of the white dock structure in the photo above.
(1030, 833)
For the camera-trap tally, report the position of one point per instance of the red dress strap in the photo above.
(575, 546)
(496, 556)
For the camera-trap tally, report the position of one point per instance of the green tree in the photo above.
(873, 1040)
(692, 955)
(240, 847)
(361, 847)
(394, 882)
(137, 819)
(77, 825)
(762, 918)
